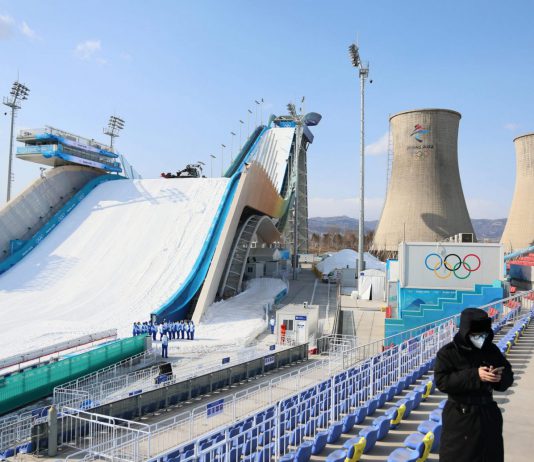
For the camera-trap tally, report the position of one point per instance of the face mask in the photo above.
(478, 340)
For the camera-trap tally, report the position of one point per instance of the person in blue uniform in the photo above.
(186, 328)
(135, 330)
(164, 346)
(192, 330)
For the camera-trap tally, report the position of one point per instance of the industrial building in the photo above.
(424, 201)
(519, 230)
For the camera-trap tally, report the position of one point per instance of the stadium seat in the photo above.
(372, 405)
(334, 432)
(382, 398)
(420, 443)
(369, 433)
(337, 456)
(395, 414)
(416, 397)
(383, 425)
(435, 415)
(355, 451)
(319, 442)
(348, 423)
(408, 403)
(403, 455)
(265, 454)
(435, 428)
(359, 415)
(303, 453)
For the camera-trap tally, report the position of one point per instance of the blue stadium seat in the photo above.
(382, 398)
(334, 432)
(265, 453)
(391, 391)
(348, 423)
(416, 397)
(372, 405)
(382, 423)
(337, 456)
(351, 442)
(319, 442)
(435, 415)
(303, 453)
(369, 433)
(409, 406)
(359, 415)
(403, 455)
(297, 436)
(435, 428)
(309, 429)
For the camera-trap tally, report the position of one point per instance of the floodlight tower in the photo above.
(211, 164)
(18, 93)
(115, 125)
(363, 71)
(222, 159)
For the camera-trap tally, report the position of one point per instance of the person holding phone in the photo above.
(469, 369)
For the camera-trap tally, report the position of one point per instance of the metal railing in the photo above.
(83, 393)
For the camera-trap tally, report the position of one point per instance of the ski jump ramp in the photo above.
(135, 248)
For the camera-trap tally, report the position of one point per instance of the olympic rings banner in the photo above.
(450, 265)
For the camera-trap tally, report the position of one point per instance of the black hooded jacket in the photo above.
(472, 422)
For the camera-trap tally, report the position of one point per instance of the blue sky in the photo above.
(183, 73)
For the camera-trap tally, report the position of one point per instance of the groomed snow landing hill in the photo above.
(123, 252)
(235, 322)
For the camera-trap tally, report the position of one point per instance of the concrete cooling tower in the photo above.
(424, 201)
(519, 231)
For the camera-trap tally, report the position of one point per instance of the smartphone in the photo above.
(497, 370)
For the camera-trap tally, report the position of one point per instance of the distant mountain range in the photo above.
(484, 229)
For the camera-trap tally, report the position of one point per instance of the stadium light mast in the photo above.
(115, 125)
(248, 121)
(211, 164)
(240, 130)
(232, 147)
(19, 92)
(222, 159)
(363, 72)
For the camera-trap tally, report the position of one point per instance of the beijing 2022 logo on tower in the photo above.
(452, 264)
(420, 134)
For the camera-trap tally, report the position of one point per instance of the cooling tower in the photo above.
(424, 201)
(519, 230)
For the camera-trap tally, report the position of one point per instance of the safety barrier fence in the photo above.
(363, 378)
(84, 394)
(53, 351)
(29, 386)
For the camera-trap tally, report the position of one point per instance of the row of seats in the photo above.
(307, 421)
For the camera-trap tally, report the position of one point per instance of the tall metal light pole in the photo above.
(222, 159)
(240, 130)
(115, 125)
(211, 164)
(232, 147)
(363, 72)
(18, 93)
(248, 121)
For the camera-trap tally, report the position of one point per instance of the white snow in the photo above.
(119, 255)
(235, 322)
(346, 258)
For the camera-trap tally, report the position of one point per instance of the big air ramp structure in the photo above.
(519, 231)
(424, 201)
(131, 249)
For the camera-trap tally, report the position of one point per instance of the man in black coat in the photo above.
(468, 369)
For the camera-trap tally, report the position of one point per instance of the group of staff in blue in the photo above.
(184, 329)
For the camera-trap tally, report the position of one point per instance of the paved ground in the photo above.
(518, 402)
(362, 318)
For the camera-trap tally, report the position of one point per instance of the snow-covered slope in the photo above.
(119, 255)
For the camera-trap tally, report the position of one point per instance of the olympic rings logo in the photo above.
(445, 267)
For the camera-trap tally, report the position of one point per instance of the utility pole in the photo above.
(18, 93)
